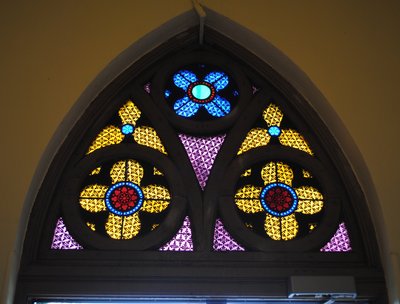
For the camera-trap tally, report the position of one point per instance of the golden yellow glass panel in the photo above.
(307, 174)
(289, 227)
(148, 137)
(308, 193)
(94, 191)
(127, 170)
(248, 191)
(255, 138)
(293, 139)
(156, 192)
(157, 172)
(134, 171)
(285, 173)
(96, 171)
(272, 115)
(312, 226)
(114, 226)
(249, 205)
(110, 135)
(156, 198)
(154, 206)
(246, 173)
(131, 226)
(93, 204)
(272, 226)
(92, 198)
(129, 113)
(154, 226)
(309, 207)
(91, 226)
(268, 173)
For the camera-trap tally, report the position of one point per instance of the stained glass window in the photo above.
(340, 242)
(275, 201)
(196, 171)
(127, 130)
(201, 92)
(62, 238)
(223, 241)
(182, 241)
(272, 127)
(119, 203)
(202, 152)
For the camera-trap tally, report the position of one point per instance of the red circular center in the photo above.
(278, 199)
(124, 198)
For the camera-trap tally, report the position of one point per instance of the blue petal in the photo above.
(221, 83)
(181, 102)
(213, 76)
(184, 78)
(218, 107)
(185, 107)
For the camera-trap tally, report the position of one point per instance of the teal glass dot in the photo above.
(127, 129)
(274, 131)
(201, 91)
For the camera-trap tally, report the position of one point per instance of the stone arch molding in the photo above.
(256, 45)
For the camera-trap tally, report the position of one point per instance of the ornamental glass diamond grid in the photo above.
(62, 239)
(202, 152)
(223, 241)
(182, 241)
(340, 242)
(201, 92)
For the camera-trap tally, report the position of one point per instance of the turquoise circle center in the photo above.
(201, 91)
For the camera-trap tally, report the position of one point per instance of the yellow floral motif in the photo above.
(156, 199)
(259, 137)
(246, 173)
(96, 171)
(129, 113)
(91, 226)
(248, 200)
(255, 138)
(307, 174)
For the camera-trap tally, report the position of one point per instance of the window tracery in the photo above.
(198, 157)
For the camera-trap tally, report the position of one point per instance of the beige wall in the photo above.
(51, 50)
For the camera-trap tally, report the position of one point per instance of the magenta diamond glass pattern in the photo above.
(182, 241)
(223, 241)
(62, 239)
(202, 152)
(340, 242)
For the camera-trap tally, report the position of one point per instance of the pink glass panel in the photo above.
(202, 152)
(147, 87)
(182, 241)
(223, 241)
(62, 239)
(340, 242)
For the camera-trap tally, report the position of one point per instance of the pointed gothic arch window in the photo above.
(198, 172)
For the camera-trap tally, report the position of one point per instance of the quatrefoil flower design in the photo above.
(279, 201)
(201, 93)
(124, 199)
